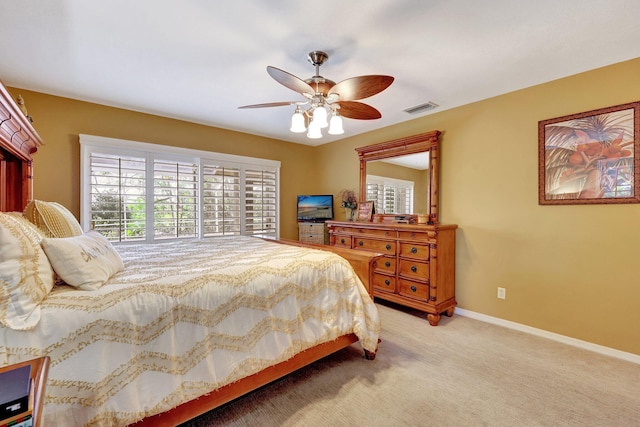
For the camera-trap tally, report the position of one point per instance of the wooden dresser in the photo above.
(418, 267)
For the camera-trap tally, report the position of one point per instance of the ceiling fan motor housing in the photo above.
(317, 57)
(321, 85)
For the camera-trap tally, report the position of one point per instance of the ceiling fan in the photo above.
(326, 98)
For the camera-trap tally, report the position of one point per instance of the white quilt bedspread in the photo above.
(184, 318)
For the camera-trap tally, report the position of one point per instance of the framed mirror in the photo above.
(417, 158)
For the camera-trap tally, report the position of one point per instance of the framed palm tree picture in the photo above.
(591, 157)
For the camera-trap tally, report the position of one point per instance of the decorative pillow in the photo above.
(27, 225)
(26, 277)
(52, 218)
(85, 262)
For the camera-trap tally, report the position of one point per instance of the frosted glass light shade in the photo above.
(314, 131)
(297, 122)
(335, 125)
(320, 117)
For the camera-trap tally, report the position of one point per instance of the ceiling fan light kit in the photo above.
(335, 124)
(297, 122)
(324, 98)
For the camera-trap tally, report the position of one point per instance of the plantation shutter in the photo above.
(375, 192)
(260, 202)
(403, 199)
(221, 200)
(391, 195)
(175, 199)
(117, 196)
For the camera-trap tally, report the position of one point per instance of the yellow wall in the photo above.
(571, 270)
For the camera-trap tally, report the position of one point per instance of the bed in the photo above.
(182, 327)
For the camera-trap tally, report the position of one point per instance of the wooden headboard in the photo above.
(18, 142)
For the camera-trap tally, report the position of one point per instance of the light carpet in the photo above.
(461, 373)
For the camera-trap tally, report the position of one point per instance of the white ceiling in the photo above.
(198, 60)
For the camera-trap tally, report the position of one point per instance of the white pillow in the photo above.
(26, 277)
(85, 262)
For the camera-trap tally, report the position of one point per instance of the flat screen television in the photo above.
(315, 208)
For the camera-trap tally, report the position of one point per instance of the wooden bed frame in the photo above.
(19, 141)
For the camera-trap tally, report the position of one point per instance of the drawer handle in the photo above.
(414, 250)
(387, 282)
(387, 264)
(413, 289)
(388, 247)
(360, 243)
(342, 241)
(414, 268)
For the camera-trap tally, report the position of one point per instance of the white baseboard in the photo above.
(629, 357)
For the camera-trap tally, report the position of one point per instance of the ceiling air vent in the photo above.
(421, 108)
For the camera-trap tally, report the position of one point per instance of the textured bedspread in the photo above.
(184, 318)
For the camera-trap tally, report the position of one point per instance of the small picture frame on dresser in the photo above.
(365, 211)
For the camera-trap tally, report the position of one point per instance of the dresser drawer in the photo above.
(311, 227)
(412, 289)
(341, 229)
(342, 240)
(386, 247)
(373, 232)
(414, 250)
(387, 264)
(422, 236)
(312, 238)
(384, 282)
(414, 269)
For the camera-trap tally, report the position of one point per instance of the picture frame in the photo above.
(591, 157)
(365, 211)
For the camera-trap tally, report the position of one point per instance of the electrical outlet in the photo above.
(502, 293)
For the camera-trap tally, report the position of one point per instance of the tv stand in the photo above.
(313, 232)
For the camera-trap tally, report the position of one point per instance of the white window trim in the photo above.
(151, 151)
(390, 181)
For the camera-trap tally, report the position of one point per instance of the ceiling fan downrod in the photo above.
(317, 58)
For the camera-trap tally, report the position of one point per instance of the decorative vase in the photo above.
(348, 214)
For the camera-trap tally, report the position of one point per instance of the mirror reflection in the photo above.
(399, 185)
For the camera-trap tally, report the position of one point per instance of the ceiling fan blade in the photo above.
(361, 87)
(358, 110)
(270, 104)
(290, 81)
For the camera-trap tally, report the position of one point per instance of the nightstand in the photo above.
(313, 232)
(22, 394)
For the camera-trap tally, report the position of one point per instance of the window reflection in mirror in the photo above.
(399, 185)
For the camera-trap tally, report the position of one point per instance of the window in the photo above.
(117, 196)
(260, 199)
(133, 191)
(390, 195)
(175, 199)
(221, 200)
